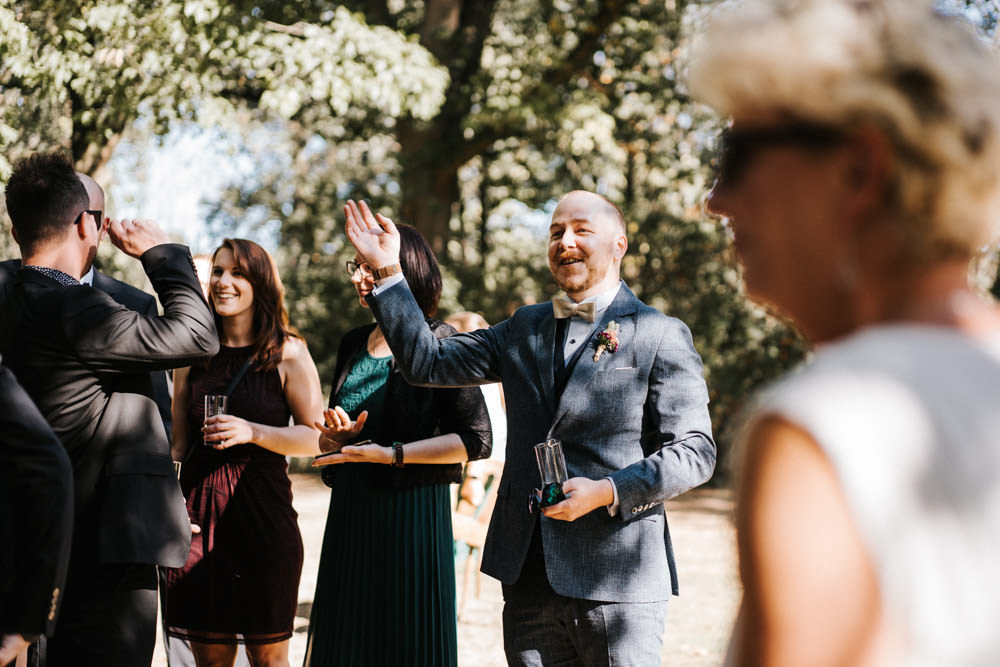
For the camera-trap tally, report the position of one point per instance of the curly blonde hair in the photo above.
(925, 79)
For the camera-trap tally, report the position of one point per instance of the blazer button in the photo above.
(53, 603)
(635, 510)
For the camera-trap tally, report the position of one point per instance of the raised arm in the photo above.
(424, 359)
(113, 339)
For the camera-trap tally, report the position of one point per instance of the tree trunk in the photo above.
(429, 177)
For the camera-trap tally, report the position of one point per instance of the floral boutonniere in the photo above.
(607, 340)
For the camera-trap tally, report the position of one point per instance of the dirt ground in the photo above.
(698, 623)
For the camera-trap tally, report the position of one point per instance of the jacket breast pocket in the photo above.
(617, 390)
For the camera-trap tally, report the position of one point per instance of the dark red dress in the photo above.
(241, 579)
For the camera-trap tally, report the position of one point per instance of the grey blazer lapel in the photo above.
(620, 310)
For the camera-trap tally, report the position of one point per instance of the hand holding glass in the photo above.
(215, 404)
(552, 467)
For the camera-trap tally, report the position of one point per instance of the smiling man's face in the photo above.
(586, 245)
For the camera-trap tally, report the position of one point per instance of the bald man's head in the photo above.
(94, 192)
(598, 204)
(586, 244)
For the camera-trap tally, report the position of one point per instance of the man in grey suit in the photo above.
(85, 361)
(587, 582)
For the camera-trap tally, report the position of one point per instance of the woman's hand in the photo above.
(337, 428)
(222, 431)
(373, 235)
(370, 453)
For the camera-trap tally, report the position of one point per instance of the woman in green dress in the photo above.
(385, 592)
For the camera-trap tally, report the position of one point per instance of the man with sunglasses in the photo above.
(85, 360)
(125, 294)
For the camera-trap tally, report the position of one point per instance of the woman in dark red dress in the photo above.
(240, 582)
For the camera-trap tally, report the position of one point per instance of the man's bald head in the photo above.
(586, 244)
(596, 203)
(94, 192)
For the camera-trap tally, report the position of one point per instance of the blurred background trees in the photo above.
(466, 118)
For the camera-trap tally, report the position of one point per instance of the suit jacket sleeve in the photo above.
(113, 338)
(461, 360)
(135, 299)
(37, 513)
(676, 428)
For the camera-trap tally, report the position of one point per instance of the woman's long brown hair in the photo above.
(270, 317)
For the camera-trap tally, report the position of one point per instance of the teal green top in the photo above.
(364, 384)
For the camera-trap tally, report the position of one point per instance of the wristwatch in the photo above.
(386, 271)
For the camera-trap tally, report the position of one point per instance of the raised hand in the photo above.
(337, 428)
(134, 237)
(373, 235)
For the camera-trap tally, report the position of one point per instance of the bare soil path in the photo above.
(698, 623)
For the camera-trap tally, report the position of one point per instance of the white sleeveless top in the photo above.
(909, 416)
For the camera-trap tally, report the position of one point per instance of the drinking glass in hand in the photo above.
(552, 467)
(215, 404)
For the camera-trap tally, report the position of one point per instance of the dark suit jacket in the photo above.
(130, 297)
(415, 413)
(638, 416)
(85, 361)
(36, 514)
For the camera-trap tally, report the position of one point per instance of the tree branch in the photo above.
(583, 53)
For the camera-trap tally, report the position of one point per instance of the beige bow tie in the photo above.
(563, 308)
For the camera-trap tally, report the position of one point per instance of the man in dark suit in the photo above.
(588, 581)
(36, 520)
(125, 294)
(85, 361)
(141, 302)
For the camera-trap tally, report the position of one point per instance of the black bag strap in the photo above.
(239, 375)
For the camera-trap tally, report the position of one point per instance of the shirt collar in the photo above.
(604, 299)
(55, 274)
(88, 277)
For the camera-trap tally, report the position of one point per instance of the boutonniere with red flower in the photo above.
(607, 340)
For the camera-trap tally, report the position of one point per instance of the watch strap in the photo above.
(386, 271)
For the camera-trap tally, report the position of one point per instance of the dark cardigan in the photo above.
(415, 413)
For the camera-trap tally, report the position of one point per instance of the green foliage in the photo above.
(467, 118)
(554, 96)
(78, 74)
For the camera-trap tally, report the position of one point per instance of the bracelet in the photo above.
(397, 455)
(386, 271)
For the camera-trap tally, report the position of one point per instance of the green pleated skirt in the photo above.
(385, 590)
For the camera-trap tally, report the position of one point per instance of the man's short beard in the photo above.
(580, 285)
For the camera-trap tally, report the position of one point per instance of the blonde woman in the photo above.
(860, 175)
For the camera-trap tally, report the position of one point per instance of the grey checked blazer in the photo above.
(639, 415)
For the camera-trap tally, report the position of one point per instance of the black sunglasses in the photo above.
(98, 216)
(352, 267)
(739, 146)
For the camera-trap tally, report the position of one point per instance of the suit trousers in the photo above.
(543, 628)
(108, 617)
